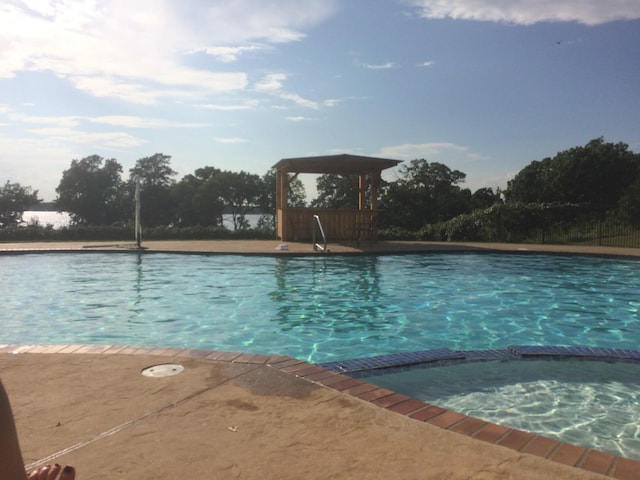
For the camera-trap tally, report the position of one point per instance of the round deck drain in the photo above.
(164, 370)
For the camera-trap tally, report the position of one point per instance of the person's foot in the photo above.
(55, 472)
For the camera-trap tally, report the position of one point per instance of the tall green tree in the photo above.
(485, 198)
(597, 175)
(240, 193)
(14, 200)
(89, 190)
(336, 191)
(156, 178)
(424, 193)
(196, 200)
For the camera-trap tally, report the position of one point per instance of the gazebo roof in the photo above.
(343, 164)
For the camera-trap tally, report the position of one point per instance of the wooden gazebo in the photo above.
(295, 224)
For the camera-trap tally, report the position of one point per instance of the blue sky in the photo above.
(483, 86)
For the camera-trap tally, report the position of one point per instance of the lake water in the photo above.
(63, 219)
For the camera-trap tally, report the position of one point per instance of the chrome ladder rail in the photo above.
(318, 224)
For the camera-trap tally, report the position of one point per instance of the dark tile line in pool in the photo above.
(553, 450)
(383, 364)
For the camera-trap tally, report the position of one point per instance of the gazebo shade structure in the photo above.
(295, 224)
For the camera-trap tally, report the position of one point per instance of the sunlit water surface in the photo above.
(322, 308)
(588, 403)
(336, 307)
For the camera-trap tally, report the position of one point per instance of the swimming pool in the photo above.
(320, 309)
(589, 403)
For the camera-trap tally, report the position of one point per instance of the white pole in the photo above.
(137, 227)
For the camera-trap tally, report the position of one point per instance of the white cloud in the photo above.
(380, 66)
(425, 64)
(411, 151)
(298, 119)
(96, 139)
(136, 51)
(127, 121)
(246, 105)
(68, 121)
(528, 12)
(299, 101)
(271, 82)
(130, 121)
(230, 54)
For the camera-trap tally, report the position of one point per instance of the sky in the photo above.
(482, 86)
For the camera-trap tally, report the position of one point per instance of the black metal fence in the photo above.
(610, 232)
(570, 224)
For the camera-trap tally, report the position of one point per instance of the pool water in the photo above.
(320, 309)
(588, 403)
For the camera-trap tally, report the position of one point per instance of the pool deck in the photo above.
(234, 415)
(263, 247)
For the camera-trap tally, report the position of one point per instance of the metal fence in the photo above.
(613, 229)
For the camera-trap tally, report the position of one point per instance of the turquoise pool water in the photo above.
(320, 308)
(590, 403)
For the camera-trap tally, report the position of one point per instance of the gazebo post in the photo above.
(282, 187)
(362, 187)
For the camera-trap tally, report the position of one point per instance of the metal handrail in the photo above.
(317, 223)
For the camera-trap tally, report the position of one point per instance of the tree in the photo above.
(240, 192)
(485, 198)
(154, 171)
(195, 201)
(14, 200)
(425, 193)
(536, 183)
(296, 197)
(155, 176)
(596, 175)
(336, 191)
(90, 190)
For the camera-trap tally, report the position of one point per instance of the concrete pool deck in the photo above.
(232, 415)
(297, 248)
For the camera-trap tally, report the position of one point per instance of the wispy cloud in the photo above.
(528, 12)
(331, 102)
(230, 54)
(95, 139)
(136, 52)
(410, 151)
(379, 66)
(298, 119)
(245, 105)
(425, 64)
(125, 121)
(130, 121)
(273, 84)
(298, 100)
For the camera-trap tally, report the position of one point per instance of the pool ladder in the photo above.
(317, 225)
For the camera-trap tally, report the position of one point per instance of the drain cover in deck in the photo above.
(164, 370)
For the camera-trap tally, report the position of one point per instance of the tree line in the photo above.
(598, 177)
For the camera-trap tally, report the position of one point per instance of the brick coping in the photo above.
(521, 441)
